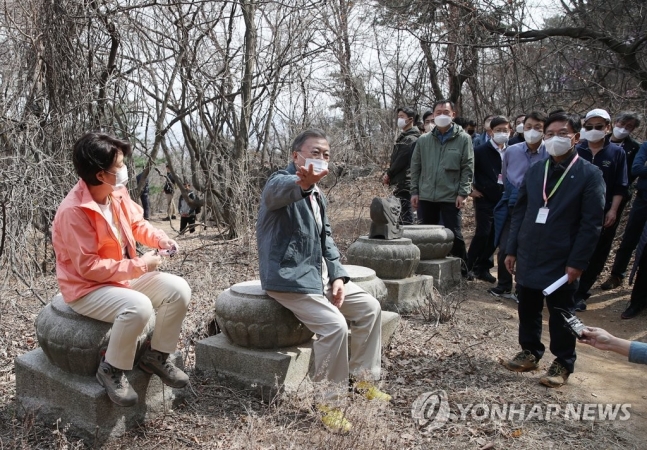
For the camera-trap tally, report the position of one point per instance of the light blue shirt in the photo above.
(517, 159)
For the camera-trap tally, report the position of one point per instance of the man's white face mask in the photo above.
(533, 136)
(558, 146)
(442, 120)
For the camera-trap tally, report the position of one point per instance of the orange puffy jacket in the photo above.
(88, 254)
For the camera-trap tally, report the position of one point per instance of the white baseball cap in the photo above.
(598, 112)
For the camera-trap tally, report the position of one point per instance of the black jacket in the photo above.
(398, 171)
(631, 147)
(487, 168)
(570, 234)
(169, 184)
(612, 161)
(516, 139)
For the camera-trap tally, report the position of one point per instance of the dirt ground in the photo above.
(460, 357)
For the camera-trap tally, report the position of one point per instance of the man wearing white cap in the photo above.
(612, 161)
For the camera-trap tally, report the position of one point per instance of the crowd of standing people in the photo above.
(548, 190)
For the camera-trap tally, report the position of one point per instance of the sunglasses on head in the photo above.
(597, 127)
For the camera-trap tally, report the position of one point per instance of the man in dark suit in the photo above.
(486, 192)
(557, 218)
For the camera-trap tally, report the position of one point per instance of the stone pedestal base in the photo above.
(390, 321)
(406, 295)
(446, 271)
(266, 372)
(262, 371)
(51, 394)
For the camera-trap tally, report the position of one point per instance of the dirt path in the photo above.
(601, 377)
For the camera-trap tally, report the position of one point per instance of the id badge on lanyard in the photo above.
(542, 214)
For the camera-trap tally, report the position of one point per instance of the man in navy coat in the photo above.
(555, 224)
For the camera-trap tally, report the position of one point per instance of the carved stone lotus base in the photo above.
(390, 259)
(75, 343)
(434, 241)
(367, 280)
(248, 317)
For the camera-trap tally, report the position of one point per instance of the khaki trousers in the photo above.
(330, 349)
(171, 207)
(130, 309)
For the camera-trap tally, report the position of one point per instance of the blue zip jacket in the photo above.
(638, 352)
(290, 249)
(639, 169)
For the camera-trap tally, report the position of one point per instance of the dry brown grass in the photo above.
(459, 356)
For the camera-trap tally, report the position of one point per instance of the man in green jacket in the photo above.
(442, 168)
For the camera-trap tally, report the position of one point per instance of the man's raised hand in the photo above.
(308, 177)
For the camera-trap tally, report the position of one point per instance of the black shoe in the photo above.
(486, 276)
(580, 305)
(173, 217)
(498, 291)
(612, 282)
(631, 311)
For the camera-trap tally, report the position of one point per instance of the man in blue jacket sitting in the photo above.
(300, 269)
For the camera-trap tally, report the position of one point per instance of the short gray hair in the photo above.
(626, 116)
(305, 135)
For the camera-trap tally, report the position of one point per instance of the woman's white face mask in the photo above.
(122, 177)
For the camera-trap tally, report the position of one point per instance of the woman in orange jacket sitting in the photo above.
(100, 275)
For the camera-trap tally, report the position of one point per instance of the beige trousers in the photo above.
(317, 312)
(171, 207)
(130, 309)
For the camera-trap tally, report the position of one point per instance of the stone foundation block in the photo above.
(51, 394)
(390, 322)
(263, 371)
(407, 294)
(446, 272)
(266, 372)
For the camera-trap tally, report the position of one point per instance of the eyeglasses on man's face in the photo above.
(562, 134)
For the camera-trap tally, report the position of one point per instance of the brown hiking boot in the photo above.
(158, 363)
(117, 386)
(523, 361)
(556, 375)
(612, 282)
